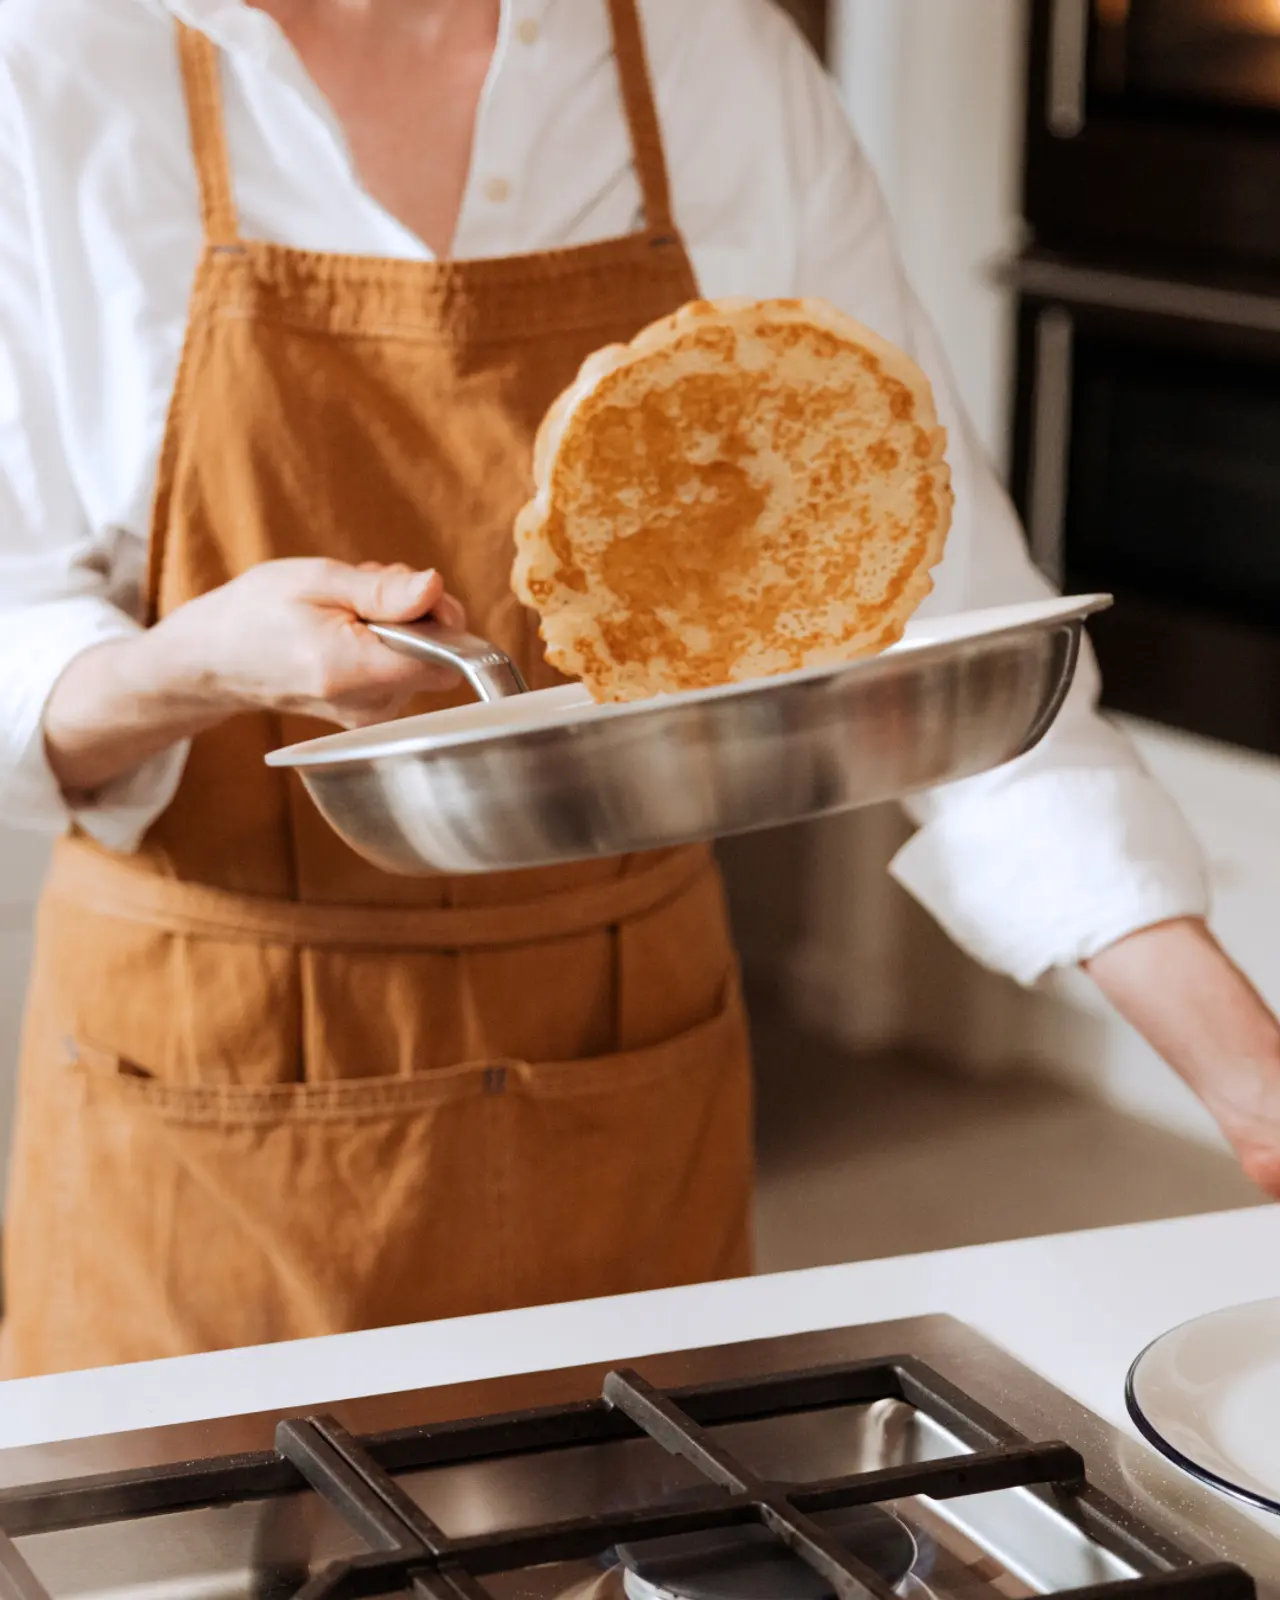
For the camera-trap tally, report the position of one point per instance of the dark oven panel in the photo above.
(1213, 56)
(1147, 465)
(1154, 127)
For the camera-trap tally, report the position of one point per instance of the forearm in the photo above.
(1181, 991)
(121, 703)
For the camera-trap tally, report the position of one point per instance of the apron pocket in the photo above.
(658, 1190)
(173, 1191)
(204, 1216)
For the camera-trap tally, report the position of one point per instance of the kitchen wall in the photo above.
(934, 89)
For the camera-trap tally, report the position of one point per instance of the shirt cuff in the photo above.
(123, 811)
(37, 645)
(1053, 868)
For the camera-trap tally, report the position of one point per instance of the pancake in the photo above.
(747, 488)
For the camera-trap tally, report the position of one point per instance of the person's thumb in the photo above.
(392, 594)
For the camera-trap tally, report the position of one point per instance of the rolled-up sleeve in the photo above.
(58, 577)
(1046, 861)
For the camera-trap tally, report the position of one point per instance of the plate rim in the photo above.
(1152, 1434)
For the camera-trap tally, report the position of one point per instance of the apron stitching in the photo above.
(171, 443)
(480, 1077)
(106, 890)
(466, 275)
(518, 332)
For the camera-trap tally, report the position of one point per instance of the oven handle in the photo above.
(1152, 297)
(1050, 442)
(1068, 65)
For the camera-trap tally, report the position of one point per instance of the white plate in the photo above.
(1207, 1396)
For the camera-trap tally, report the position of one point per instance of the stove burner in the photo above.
(749, 1563)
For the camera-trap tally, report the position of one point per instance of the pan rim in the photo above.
(335, 751)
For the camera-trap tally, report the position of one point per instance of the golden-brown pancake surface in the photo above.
(747, 488)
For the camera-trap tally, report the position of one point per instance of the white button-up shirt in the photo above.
(1039, 864)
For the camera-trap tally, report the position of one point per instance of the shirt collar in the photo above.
(239, 27)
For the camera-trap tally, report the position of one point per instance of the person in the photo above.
(285, 290)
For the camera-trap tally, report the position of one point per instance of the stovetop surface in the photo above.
(983, 1462)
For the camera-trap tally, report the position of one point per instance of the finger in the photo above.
(450, 611)
(377, 716)
(383, 593)
(439, 680)
(393, 578)
(381, 679)
(351, 720)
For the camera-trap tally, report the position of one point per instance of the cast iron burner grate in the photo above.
(408, 1552)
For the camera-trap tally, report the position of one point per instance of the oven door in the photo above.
(1154, 125)
(1147, 464)
(1207, 56)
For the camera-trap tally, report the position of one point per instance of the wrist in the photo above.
(1243, 1098)
(1242, 1089)
(123, 701)
(1180, 990)
(171, 666)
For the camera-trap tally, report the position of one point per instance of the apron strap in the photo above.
(642, 115)
(201, 81)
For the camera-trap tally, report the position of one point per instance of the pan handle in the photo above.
(492, 674)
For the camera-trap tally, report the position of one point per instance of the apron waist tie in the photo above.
(114, 886)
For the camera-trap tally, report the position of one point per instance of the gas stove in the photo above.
(897, 1461)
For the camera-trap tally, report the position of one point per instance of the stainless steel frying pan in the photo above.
(524, 779)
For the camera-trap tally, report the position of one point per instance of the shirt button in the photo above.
(497, 190)
(528, 31)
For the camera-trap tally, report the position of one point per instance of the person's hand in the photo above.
(1176, 985)
(290, 636)
(286, 636)
(1247, 1108)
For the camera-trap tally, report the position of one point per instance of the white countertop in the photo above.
(1077, 1308)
